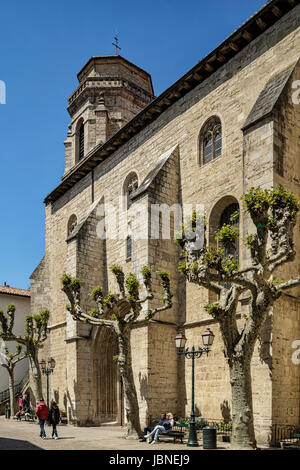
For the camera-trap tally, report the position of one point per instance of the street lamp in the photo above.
(180, 340)
(47, 371)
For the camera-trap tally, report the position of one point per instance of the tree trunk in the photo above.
(131, 402)
(12, 392)
(37, 378)
(243, 436)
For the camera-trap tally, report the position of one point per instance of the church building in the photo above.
(230, 123)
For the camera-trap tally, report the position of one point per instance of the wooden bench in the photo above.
(27, 416)
(177, 432)
(292, 445)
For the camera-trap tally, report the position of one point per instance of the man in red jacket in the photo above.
(42, 413)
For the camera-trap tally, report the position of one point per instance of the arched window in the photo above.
(72, 224)
(226, 219)
(210, 140)
(131, 185)
(81, 141)
(128, 247)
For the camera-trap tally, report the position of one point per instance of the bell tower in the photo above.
(111, 92)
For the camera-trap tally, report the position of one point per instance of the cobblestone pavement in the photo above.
(21, 435)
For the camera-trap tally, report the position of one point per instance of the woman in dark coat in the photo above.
(54, 418)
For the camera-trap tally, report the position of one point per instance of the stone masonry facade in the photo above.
(250, 92)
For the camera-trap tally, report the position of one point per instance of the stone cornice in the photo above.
(266, 17)
(92, 85)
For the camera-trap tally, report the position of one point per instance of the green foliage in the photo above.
(280, 197)
(45, 314)
(66, 279)
(274, 281)
(188, 227)
(235, 216)
(195, 267)
(72, 282)
(109, 299)
(182, 268)
(94, 313)
(230, 265)
(164, 275)
(213, 309)
(132, 284)
(200, 422)
(212, 254)
(75, 283)
(97, 293)
(248, 240)
(116, 269)
(38, 321)
(29, 325)
(227, 235)
(146, 272)
(11, 308)
(115, 358)
(3, 321)
(256, 201)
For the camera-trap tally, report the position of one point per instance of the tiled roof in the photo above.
(14, 291)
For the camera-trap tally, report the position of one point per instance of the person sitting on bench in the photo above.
(150, 428)
(166, 425)
(19, 414)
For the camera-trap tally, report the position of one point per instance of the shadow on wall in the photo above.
(226, 411)
(69, 408)
(56, 396)
(143, 386)
(197, 411)
(32, 400)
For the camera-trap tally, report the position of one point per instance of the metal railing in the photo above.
(4, 395)
(283, 432)
(223, 427)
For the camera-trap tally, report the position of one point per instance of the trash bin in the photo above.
(209, 438)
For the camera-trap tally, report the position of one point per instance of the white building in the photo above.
(21, 299)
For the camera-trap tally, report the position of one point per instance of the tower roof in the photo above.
(111, 60)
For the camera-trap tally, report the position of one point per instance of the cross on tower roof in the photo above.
(116, 44)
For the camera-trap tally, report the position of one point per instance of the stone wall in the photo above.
(247, 159)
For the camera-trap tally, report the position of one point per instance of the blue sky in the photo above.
(43, 45)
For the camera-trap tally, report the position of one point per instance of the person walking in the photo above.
(54, 418)
(42, 412)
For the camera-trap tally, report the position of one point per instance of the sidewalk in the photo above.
(22, 435)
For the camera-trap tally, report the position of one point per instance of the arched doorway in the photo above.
(108, 399)
(221, 214)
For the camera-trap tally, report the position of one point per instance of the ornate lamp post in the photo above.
(180, 340)
(47, 371)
